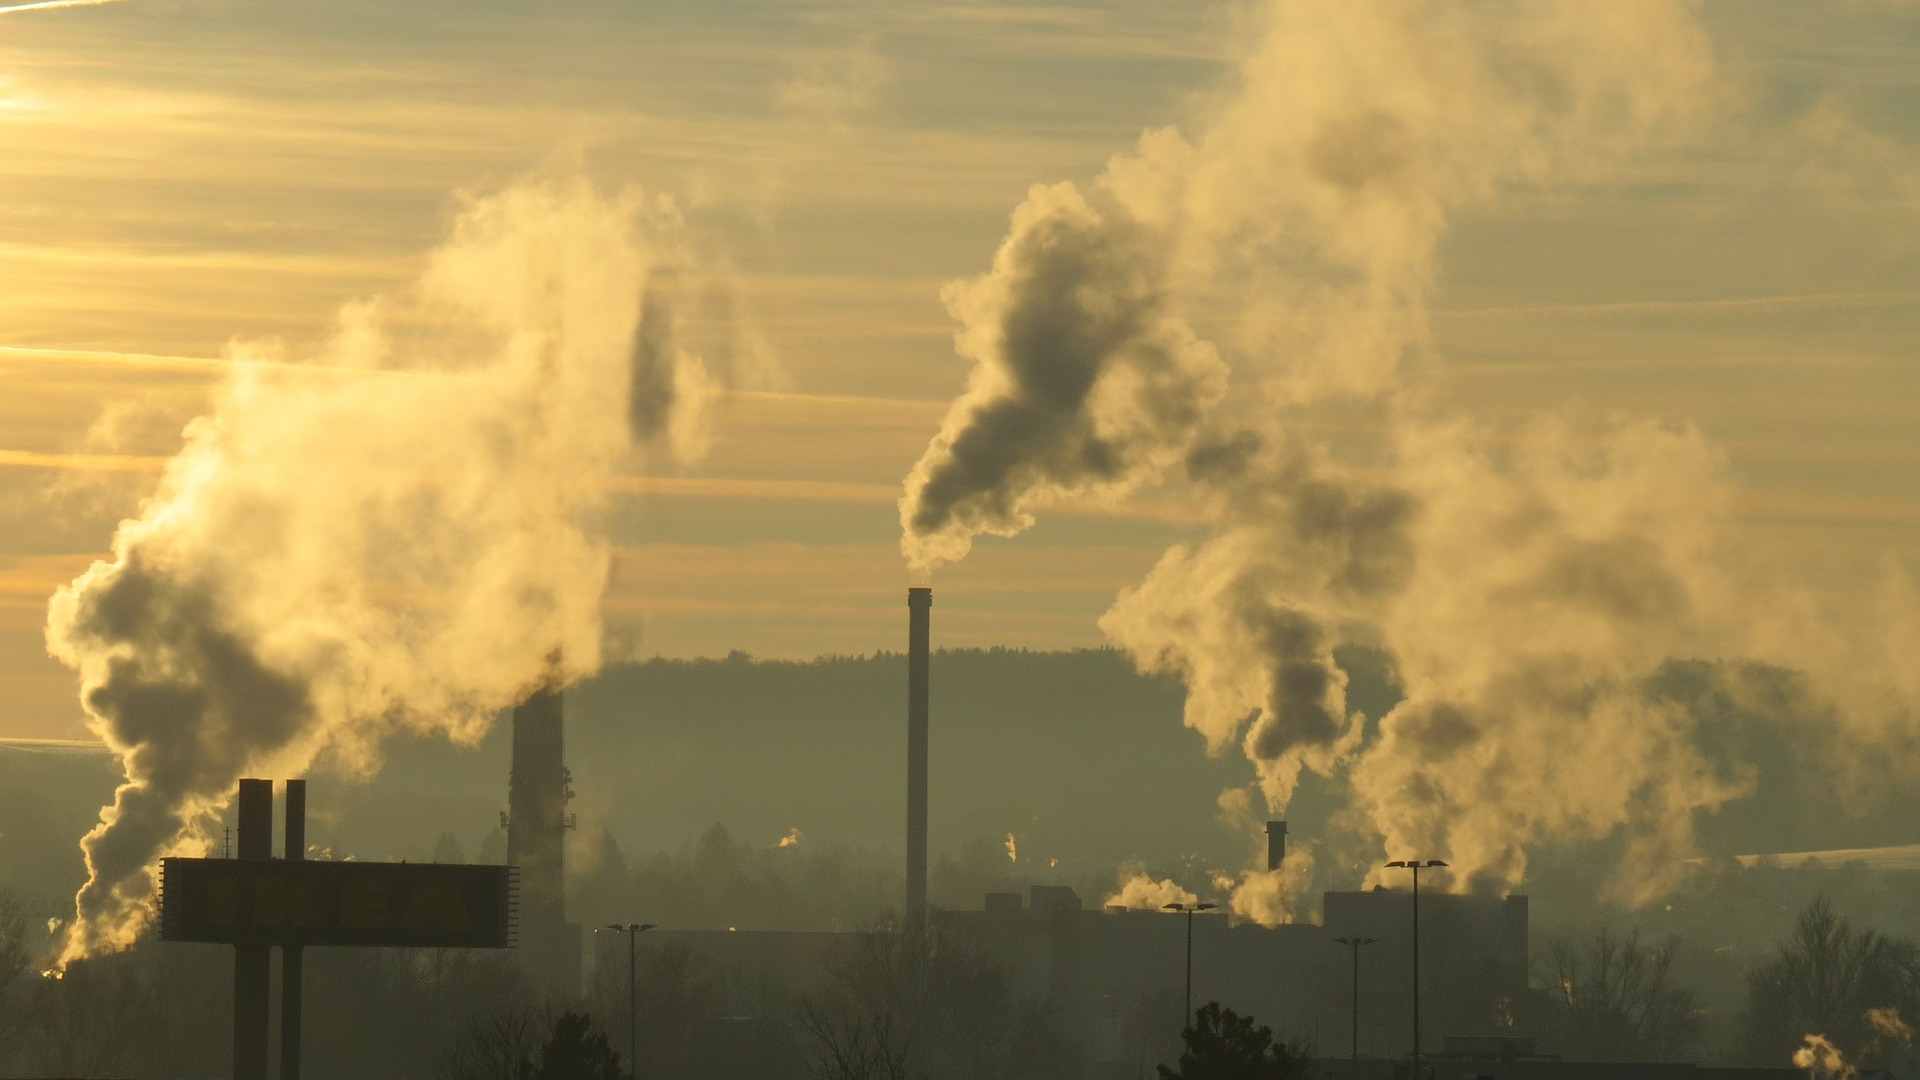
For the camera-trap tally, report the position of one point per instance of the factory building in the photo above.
(1106, 967)
(1116, 977)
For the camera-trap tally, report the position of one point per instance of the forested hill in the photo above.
(1078, 755)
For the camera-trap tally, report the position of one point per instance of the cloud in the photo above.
(49, 5)
(836, 85)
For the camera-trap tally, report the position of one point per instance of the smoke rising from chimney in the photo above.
(1084, 384)
(390, 535)
(1140, 892)
(1527, 578)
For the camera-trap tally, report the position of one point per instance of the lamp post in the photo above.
(633, 931)
(1416, 866)
(1354, 943)
(1189, 909)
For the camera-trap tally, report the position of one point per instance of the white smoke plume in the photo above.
(1141, 892)
(391, 534)
(1268, 897)
(1821, 1060)
(1527, 579)
(1272, 897)
(1250, 618)
(1886, 1022)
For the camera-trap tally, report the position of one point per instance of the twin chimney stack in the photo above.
(919, 622)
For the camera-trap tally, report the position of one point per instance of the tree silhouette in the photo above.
(930, 1003)
(1823, 981)
(575, 1052)
(1612, 998)
(1223, 1045)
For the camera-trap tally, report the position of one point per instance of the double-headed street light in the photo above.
(1416, 866)
(1189, 909)
(633, 931)
(1354, 943)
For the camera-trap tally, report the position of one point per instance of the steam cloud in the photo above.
(1527, 579)
(1821, 1060)
(1887, 1023)
(393, 534)
(1140, 892)
(1084, 384)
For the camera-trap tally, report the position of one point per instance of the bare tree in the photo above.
(853, 1046)
(496, 1044)
(95, 1019)
(927, 1004)
(14, 954)
(1612, 997)
(677, 999)
(1823, 981)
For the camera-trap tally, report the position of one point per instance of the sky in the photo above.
(185, 180)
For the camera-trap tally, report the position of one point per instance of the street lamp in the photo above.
(1189, 909)
(633, 931)
(1416, 866)
(1354, 943)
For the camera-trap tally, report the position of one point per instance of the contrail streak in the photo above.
(45, 4)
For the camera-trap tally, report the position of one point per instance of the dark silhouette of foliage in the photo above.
(1223, 1045)
(1612, 998)
(496, 1044)
(575, 1051)
(1823, 981)
(930, 1003)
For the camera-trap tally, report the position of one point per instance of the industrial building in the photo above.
(1114, 975)
(1111, 974)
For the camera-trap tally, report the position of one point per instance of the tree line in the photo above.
(887, 1005)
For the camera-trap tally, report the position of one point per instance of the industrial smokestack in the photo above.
(919, 621)
(1276, 844)
(252, 964)
(292, 960)
(538, 789)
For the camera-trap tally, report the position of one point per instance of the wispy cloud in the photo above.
(1727, 306)
(45, 5)
(34, 459)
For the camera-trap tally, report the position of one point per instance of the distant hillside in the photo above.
(1075, 753)
(1082, 758)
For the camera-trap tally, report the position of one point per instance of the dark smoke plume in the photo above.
(1084, 384)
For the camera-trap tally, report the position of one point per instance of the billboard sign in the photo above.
(304, 902)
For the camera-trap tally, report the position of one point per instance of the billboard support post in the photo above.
(256, 902)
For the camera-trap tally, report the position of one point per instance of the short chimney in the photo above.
(1276, 844)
